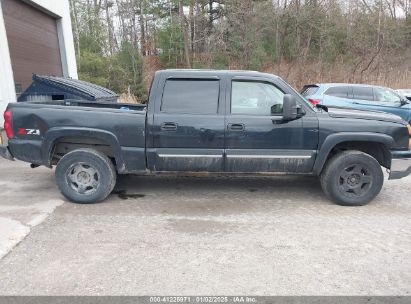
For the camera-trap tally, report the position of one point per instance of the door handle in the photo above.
(168, 126)
(236, 127)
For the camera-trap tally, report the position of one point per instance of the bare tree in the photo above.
(184, 27)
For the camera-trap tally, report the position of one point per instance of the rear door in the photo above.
(256, 140)
(338, 96)
(363, 96)
(187, 131)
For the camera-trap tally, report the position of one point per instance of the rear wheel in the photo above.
(85, 176)
(352, 178)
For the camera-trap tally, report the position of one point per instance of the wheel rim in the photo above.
(355, 181)
(83, 178)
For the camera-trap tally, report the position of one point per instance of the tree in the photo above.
(302, 40)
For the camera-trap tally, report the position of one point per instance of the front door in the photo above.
(258, 139)
(188, 127)
(386, 100)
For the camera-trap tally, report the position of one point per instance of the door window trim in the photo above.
(199, 78)
(248, 79)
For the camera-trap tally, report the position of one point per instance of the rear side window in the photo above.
(185, 96)
(343, 92)
(309, 90)
(363, 93)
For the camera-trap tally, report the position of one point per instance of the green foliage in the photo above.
(198, 65)
(93, 68)
(90, 43)
(219, 61)
(119, 72)
(171, 43)
(127, 71)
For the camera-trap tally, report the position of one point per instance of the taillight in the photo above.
(7, 124)
(314, 101)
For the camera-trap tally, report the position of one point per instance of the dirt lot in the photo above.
(208, 236)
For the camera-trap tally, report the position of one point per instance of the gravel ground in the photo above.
(204, 236)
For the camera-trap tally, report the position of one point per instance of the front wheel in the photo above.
(352, 178)
(85, 176)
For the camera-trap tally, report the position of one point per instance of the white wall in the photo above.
(59, 9)
(7, 90)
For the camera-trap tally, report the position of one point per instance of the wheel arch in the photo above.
(56, 135)
(377, 145)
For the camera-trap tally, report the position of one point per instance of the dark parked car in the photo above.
(212, 122)
(358, 96)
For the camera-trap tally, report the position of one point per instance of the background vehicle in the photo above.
(222, 122)
(406, 93)
(358, 96)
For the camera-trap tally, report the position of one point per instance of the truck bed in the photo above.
(44, 128)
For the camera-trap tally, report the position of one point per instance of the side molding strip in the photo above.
(189, 155)
(271, 156)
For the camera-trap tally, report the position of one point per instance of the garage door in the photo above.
(33, 42)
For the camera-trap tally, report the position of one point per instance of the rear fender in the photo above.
(52, 136)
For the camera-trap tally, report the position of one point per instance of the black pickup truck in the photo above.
(209, 122)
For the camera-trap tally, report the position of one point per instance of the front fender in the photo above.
(54, 134)
(334, 139)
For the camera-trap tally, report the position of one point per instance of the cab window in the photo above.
(190, 96)
(256, 98)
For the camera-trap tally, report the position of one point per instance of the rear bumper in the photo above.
(400, 164)
(4, 150)
(5, 153)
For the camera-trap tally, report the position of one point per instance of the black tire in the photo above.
(352, 178)
(85, 176)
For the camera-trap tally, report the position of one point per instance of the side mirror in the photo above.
(290, 109)
(404, 101)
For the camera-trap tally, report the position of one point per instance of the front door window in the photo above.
(256, 98)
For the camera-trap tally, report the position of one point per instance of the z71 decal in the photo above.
(23, 131)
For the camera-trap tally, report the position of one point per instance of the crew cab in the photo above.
(209, 122)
